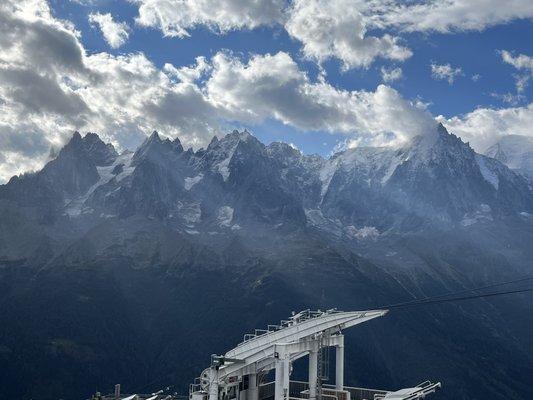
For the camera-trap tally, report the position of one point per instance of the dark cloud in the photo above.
(27, 142)
(44, 46)
(36, 93)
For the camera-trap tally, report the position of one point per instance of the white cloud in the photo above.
(485, 126)
(391, 74)
(178, 17)
(445, 72)
(522, 63)
(448, 16)
(188, 73)
(353, 31)
(115, 33)
(326, 28)
(85, 2)
(338, 28)
(509, 98)
(519, 62)
(521, 82)
(50, 86)
(273, 86)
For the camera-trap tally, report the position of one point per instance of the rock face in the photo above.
(107, 261)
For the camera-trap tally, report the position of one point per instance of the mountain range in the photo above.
(134, 267)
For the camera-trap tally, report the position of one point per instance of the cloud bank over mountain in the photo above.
(50, 85)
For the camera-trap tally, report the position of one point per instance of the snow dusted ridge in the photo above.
(489, 175)
(237, 182)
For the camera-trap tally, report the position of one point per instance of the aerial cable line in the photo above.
(431, 298)
(478, 296)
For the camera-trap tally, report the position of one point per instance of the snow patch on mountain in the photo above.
(118, 170)
(225, 216)
(335, 227)
(191, 213)
(190, 182)
(316, 218)
(395, 162)
(223, 167)
(482, 214)
(326, 174)
(123, 166)
(486, 172)
(366, 232)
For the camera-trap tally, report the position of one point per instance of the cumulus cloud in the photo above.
(485, 126)
(391, 74)
(338, 28)
(448, 16)
(115, 33)
(178, 17)
(353, 31)
(272, 86)
(445, 72)
(188, 73)
(31, 38)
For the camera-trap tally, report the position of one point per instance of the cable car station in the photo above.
(240, 374)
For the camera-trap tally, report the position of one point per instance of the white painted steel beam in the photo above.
(253, 389)
(261, 347)
(213, 384)
(313, 372)
(339, 364)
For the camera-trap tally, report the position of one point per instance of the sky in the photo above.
(322, 75)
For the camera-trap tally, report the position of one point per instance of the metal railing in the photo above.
(419, 391)
(299, 390)
(294, 319)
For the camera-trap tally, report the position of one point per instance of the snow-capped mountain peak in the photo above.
(515, 151)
